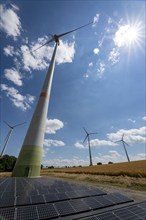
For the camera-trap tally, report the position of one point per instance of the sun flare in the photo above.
(127, 35)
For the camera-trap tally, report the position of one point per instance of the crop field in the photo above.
(131, 169)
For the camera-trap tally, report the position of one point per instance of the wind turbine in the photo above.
(88, 138)
(29, 159)
(9, 135)
(124, 145)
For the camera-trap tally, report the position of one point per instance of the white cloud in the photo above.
(53, 125)
(96, 50)
(99, 143)
(10, 21)
(79, 145)
(95, 143)
(14, 76)
(110, 20)
(133, 121)
(95, 20)
(90, 64)
(65, 52)
(9, 50)
(114, 56)
(144, 118)
(130, 136)
(39, 60)
(101, 69)
(53, 143)
(18, 100)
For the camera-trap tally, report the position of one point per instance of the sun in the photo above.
(128, 35)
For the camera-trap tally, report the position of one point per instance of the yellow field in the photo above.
(132, 169)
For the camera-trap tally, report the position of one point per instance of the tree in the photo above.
(110, 162)
(99, 163)
(7, 163)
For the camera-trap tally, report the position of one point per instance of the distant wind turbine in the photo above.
(9, 135)
(88, 138)
(30, 156)
(124, 145)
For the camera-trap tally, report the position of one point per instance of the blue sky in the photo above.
(99, 79)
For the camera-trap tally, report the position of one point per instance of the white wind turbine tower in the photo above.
(124, 145)
(9, 135)
(29, 159)
(88, 138)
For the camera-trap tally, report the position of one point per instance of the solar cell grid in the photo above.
(52, 197)
(72, 194)
(7, 213)
(27, 213)
(105, 202)
(108, 216)
(142, 205)
(7, 201)
(64, 208)
(37, 199)
(79, 205)
(92, 203)
(62, 196)
(46, 211)
(21, 200)
(91, 218)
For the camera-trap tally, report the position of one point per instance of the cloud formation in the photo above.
(95, 20)
(53, 143)
(130, 136)
(20, 101)
(14, 76)
(53, 125)
(10, 21)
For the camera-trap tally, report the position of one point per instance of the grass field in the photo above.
(130, 175)
(132, 169)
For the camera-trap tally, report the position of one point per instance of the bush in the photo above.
(99, 163)
(7, 163)
(110, 162)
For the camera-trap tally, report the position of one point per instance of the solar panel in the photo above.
(23, 200)
(91, 218)
(7, 213)
(37, 199)
(79, 205)
(72, 194)
(7, 201)
(64, 208)
(108, 216)
(27, 213)
(105, 202)
(142, 205)
(46, 211)
(52, 197)
(92, 203)
(62, 196)
(122, 197)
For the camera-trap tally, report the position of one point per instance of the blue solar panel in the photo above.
(64, 208)
(7, 213)
(92, 203)
(79, 205)
(37, 199)
(23, 200)
(27, 213)
(51, 197)
(46, 211)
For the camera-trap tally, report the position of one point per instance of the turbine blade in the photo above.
(93, 133)
(19, 124)
(122, 136)
(49, 41)
(85, 131)
(125, 143)
(85, 138)
(7, 124)
(117, 141)
(74, 29)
